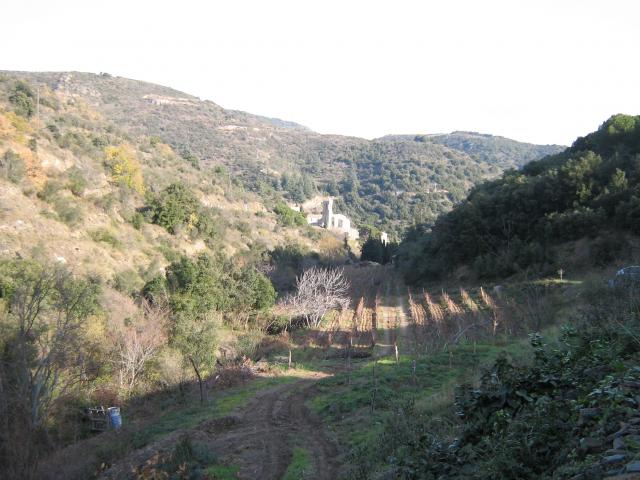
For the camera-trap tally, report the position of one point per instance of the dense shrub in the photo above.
(289, 217)
(23, 99)
(76, 182)
(68, 211)
(105, 235)
(178, 209)
(128, 282)
(375, 251)
(12, 166)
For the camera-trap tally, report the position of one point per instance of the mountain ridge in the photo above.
(273, 157)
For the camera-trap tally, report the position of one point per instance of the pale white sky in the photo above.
(539, 70)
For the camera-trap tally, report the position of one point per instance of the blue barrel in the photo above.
(115, 418)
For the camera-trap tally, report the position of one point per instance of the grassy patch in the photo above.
(177, 416)
(192, 415)
(300, 466)
(222, 472)
(356, 405)
(241, 396)
(105, 235)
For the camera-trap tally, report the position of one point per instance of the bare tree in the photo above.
(319, 290)
(139, 343)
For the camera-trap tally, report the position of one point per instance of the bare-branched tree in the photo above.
(318, 290)
(139, 343)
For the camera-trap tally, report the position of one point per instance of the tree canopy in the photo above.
(510, 224)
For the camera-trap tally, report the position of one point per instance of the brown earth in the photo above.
(259, 438)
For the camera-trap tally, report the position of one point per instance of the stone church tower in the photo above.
(327, 213)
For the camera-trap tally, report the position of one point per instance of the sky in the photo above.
(539, 71)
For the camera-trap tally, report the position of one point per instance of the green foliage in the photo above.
(192, 159)
(155, 290)
(253, 291)
(289, 217)
(137, 220)
(76, 182)
(524, 421)
(107, 236)
(68, 211)
(177, 208)
(222, 472)
(196, 338)
(395, 176)
(196, 290)
(174, 207)
(22, 98)
(297, 187)
(197, 287)
(300, 466)
(187, 458)
(511, 224)
(492, 149)
(128, 282)
(214, 284)
(12, 166)
(49, 190)
(42, 353)
(288, 262)
(374, 250)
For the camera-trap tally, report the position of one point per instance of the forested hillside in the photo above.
(494, 150)
(518, 222)
(386, 183)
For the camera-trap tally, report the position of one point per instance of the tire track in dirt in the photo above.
(280, 421)
(259, 438)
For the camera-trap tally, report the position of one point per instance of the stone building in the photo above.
(335, 222)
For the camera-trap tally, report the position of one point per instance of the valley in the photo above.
(344, 385)
(156, 258)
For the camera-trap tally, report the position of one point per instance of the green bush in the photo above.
(106, 236)
(289, 217)
(175, 207)
(23, 99)
(12, 166)
(68, 211)
(137, 220)
(49, 190)
(76, 182)
(512, 224)
(127, 282)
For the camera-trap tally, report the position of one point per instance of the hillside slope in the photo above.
(494, 150)
(517, 223)
(75, 188)
(386, 183)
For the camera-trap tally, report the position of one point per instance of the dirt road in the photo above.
(259, 438)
